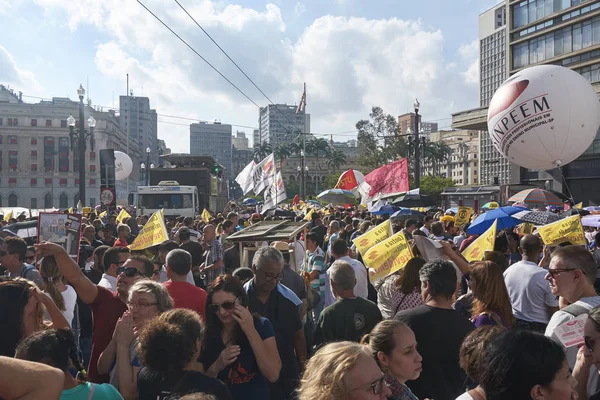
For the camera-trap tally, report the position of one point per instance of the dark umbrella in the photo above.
(414, 200)
(537, 217)
(279, 212)
(574, 211)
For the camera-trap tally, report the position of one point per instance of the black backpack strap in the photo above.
(575, 309)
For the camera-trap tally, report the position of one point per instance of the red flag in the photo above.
(296, 200)
(391, 178)
(347, 181)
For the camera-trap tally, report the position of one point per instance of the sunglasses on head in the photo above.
(129, 272)
(226, 305)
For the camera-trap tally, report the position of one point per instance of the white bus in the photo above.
(176, 200)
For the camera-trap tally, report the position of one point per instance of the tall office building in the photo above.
(141, 123)
(407, 121)
(255, 138)
(240, 141)
(279, 123)
(215, 140)
(494, 168)
(559, 32)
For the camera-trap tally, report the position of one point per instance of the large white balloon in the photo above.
(544, 117)
(123, 165)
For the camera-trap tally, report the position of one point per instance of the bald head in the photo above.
(531, 247)
(209, 232)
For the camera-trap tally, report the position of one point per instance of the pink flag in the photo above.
(391, 178)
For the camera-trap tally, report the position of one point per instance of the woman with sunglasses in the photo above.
(147, 299)
(343, 371)
(240, 348)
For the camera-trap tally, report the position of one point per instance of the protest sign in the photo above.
(63, 229)
(565, 230)
(483, 243)
(463, 216)
(388, 256)
(376, 235)
(153, 233)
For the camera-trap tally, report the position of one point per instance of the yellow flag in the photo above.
(70, 210)
(122, 215)
(388, 256)
(565, 230)
(463, 216)
(102, 214)
(153, 233)
(327, 211)
(308, 216)
(483, 243)
(376, 235)
(8, 215)
(526, 228)
(206, 216)
(579, 206)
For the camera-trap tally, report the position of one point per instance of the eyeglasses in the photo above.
(271, 277)
(140, 305)
(226, 305)
(129, 272)
(554, 272)
(377, 386)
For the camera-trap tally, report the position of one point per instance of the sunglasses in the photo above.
(129, 272)
(554, 272)
(226, 305)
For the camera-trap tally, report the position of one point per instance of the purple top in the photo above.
(486, 319)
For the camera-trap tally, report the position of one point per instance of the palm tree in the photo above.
(443, 153)
(336, 159)
(319, 145)
(281, 153)
(295, 147)
(261, 151)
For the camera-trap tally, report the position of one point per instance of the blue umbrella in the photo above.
(386, 209)
(502, 214)
(406, 211)
(249, 202)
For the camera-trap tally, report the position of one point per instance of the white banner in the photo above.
(244, 178)
(275, 193)
(264, 174)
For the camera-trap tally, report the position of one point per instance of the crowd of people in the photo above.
(303, 320)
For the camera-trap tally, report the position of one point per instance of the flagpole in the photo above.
(304, 148)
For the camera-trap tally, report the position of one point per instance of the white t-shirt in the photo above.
(70, 297)
(189, 278)
(362, 278)
(559, 318)
(299, 252)
(108, 282)
(529, 292)
(424, 230)
(194, 235)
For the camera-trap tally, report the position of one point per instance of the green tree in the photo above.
(437, 154)
(281, 152)
(434, 186)
(378, 139)
(318, 146)
(331, 180)
(336, 158)
(261, 151)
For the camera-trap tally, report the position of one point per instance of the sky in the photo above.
(352, 54)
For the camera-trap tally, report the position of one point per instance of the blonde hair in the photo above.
(324, 374)
(51, 275)
(155, 289)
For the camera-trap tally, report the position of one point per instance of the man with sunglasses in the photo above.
(113, 259)
(12, 257)
(107, 307)
(530, 296)
(571, 274)
(270, 299)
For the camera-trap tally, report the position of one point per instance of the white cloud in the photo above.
(11, 74)
(470, 54)
(299, 9)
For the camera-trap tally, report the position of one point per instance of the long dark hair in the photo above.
(54, 347)
(409, 280)
(14, 296)
(214, 326)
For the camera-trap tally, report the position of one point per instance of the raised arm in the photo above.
(85, 288)
(22, 379)
(56, 316)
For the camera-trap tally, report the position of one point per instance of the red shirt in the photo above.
(120, 243)
(186, 295)
(106, 311)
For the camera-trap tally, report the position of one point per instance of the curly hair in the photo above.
(323, 377)
(473, 347)
(168, 343)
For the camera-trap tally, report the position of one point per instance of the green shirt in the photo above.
(346, 319)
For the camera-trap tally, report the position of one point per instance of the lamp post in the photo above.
(301, 170)
(416, 141)
(81, 134)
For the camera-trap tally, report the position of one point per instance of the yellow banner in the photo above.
(579, 206)
(388, 256)
(122, 215)
(565, 230)
(526, 228)
(8, 215)
(206, 216)
(463, 216)
(153, 233)
(86, 210)
(102, 214)
(376, 235)
(483, 243)
(308, 216)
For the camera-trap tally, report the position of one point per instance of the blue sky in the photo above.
(353, 54)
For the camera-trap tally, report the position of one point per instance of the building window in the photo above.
(48, 181)
(12, 182)
(63, 123)
(77, 181)
(63, 154)
(34, 154)
(92, 155)
(33, 181)
(62, 182)
(34, 141)
(12, 139)
(34, 203)
(33, 122)
(47, 200)
(92, 182)
(48, 153)
(33, 167)
(12, 200)
(63, 201)
(48, 123)
(13, 122)
(13, 160)
(92, 168)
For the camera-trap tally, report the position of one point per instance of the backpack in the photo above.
(27, 270)
(575, 309)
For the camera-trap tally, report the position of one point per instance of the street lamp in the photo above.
(417, 105)
(81, 134)
(147, 166)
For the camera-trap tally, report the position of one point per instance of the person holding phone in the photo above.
(239, 349)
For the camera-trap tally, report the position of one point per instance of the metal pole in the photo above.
(81, 138)
(147, 169)
(417, 155)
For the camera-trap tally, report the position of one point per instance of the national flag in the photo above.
(244, 178)
(275, 193)
(347, 181)
(391, 178)
(263, 174)
(302, 104)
